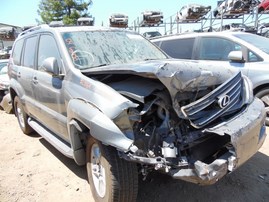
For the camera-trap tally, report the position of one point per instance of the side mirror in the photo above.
(236, 56)
(51, 66)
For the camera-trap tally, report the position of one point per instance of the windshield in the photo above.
(258, 41)
(90, 49)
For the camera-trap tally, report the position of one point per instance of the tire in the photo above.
(22, 116)
(110, 178)
(264, 96)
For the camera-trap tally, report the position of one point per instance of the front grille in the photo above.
(225, 99)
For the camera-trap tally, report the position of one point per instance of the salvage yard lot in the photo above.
(32, 170)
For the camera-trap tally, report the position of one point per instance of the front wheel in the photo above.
(110, 178)
(264, 96)
(22, 116)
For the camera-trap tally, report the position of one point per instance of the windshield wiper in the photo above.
(101, 65)
(150, 59)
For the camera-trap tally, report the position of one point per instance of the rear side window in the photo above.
(17, 50)
(29, 52)
(179, 48)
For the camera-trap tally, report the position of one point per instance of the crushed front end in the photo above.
(197, 136)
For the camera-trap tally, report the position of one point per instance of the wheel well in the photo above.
(12, 95)
(259, 88)
(79, 134)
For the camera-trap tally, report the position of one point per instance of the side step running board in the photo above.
(58, 144)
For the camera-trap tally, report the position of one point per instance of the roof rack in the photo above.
(33, 29)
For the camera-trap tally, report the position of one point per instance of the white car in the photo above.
(86, 21)
(118, 20)
(151, 18)
(192, 12)
(244, 51)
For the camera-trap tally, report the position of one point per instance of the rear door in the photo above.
(25, 71)
(178, 48)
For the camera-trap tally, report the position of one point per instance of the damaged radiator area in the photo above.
(170, 129)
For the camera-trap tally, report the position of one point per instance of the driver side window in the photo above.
(213, 48)
(47, 48)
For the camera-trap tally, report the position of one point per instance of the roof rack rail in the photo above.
(33, 29)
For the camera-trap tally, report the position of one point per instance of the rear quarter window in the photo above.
(179, 48)
(17, 50)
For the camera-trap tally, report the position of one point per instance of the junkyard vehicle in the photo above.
(5, 52)
(235, 8)
(4, 80)
(239, 27)
(85, 21)
(110, 99)
(8, 33)
(151, 18)
(192, 12)
(263, 6)
(118, 20)
(247, 52)
(151, 34)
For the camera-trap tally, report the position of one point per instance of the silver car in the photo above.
(111, 100)
(248, 52)
(4, 80)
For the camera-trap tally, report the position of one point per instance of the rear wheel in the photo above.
(22, 116)
(264, 96)
(110, 178)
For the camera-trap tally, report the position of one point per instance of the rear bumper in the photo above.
(247, 132)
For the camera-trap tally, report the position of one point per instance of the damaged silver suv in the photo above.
(110, 99)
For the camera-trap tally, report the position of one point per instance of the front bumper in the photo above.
(247, 132)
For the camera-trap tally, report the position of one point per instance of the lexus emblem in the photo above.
(224, 101)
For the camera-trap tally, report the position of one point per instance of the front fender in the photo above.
(101, 127)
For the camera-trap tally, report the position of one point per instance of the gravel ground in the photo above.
(32, 170)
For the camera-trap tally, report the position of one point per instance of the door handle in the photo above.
(35, 81)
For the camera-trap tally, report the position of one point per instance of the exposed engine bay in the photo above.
(169, 132)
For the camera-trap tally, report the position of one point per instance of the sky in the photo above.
(24, 12)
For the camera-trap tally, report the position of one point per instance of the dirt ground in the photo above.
(32, 170)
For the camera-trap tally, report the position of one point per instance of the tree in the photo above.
(67, 11)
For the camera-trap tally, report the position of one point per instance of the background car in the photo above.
(151, 18)
(5, 52)
(263, 6)
(8, 33)
(248, 52)
(230, 8)
(118, 20)
(85, 21)
(4, 79)
(192, 12)
(238, 27)
(151, 34)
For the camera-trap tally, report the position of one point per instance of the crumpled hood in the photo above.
(176, 75)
